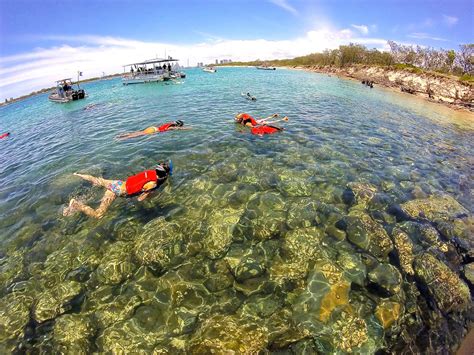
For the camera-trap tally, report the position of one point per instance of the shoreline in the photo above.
(446, 91)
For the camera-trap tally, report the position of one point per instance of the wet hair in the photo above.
(162, 170)
(179, 123)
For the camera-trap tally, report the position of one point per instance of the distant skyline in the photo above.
(41, 41)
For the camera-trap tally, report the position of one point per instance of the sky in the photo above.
(45, 40)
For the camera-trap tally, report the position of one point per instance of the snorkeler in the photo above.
(154, 129)
(139, 185)
(246, 120)
(4, 135)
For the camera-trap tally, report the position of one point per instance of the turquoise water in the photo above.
(232, 252)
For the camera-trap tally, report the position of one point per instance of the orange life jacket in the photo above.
(247, 118)
(135, 183)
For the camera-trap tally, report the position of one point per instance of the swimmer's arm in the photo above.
(147, 190)
(143, 196)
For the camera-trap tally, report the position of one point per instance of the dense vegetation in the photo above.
(415, 58)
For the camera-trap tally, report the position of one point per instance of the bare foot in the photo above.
(68, 211)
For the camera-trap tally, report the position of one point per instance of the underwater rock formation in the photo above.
(73, 333)
(434, 208)
(367, 234)
(404, 250)
(14, 315)
(447, 289)
(386, 277)
(159, 245)
(56, 301)
(221, 224)
(225, 334)
(116, 266)
(388, 312)
(363, 193)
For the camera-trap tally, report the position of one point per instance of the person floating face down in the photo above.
(139, 185)
(169, 126)
(261, 126)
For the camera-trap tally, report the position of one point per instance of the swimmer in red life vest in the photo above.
(139, 185)
(261, 126)
(154, 129)
(4, 135)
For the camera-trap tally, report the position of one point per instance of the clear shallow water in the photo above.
(172, 271)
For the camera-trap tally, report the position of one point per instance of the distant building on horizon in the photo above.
(217, 61)
(225, 61)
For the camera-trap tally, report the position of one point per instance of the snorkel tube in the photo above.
(170, 164)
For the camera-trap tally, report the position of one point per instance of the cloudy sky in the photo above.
(41, 41)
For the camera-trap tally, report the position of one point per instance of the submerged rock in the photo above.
(302, 213)
(14, 315)
(367, 234)
(349, 332)
(226, 334)
(159, 246)
(404, 249)
(11, 267)
(221, 224)
(265, 217)
(387, 278)
(388, 312)
(116, 266)
(363, 192)
(73, 333)
(434, 208)
(248, 268)
(57, 300)
(447, 289)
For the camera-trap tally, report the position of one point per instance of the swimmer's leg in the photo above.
(98, 181)
(105, 203)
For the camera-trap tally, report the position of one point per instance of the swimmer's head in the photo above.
(179, 123)
(163, 170)
(239, 117)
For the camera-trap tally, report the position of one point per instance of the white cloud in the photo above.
(26, 72)
(422, 35)
(284, 5)
(450, 20)
(361, 28)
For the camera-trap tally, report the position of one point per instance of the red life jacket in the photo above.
(247, 118)
(135, 183)
(266, 129)
(4, 135)
(166, 126)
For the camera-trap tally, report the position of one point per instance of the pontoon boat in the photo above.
(149, 71)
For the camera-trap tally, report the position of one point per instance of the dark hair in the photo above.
(179, 123)
(162, 170)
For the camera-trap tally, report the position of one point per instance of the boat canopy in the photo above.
(63, 80)
(153, 61)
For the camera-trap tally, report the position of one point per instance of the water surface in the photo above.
(246, 239)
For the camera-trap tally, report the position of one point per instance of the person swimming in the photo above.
(246, 120)
(4, 135)
(154, 129)
(139, 185)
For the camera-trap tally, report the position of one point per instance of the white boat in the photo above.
(264, 67)
(209, 69)
(65, 93)
(149, 71)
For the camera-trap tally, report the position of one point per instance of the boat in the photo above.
(148, 71)
(209, 69)
(65, 93)
(264, 67)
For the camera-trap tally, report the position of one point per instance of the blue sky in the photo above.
(53, 38)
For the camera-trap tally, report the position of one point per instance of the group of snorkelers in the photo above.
(141, 184)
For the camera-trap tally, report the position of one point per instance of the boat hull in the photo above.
(266, 68)
(142, 79)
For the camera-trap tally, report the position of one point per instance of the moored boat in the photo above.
(149, 71)
(264, 67)
(209, 69)
(65, 93)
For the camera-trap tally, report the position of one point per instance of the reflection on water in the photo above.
(349, 231)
